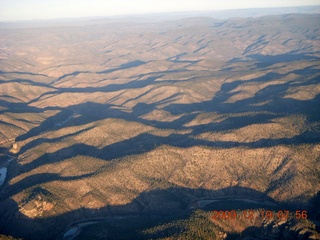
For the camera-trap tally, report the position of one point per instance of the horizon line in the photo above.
(149, 14)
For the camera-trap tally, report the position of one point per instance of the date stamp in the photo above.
(253, 214)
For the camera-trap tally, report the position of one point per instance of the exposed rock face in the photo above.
(15, 146)
(14, 149)
(36, 209)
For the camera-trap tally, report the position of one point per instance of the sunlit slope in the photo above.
(115, 119)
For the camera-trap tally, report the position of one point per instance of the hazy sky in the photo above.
(47, 9)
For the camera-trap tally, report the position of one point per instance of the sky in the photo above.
(12, 10)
